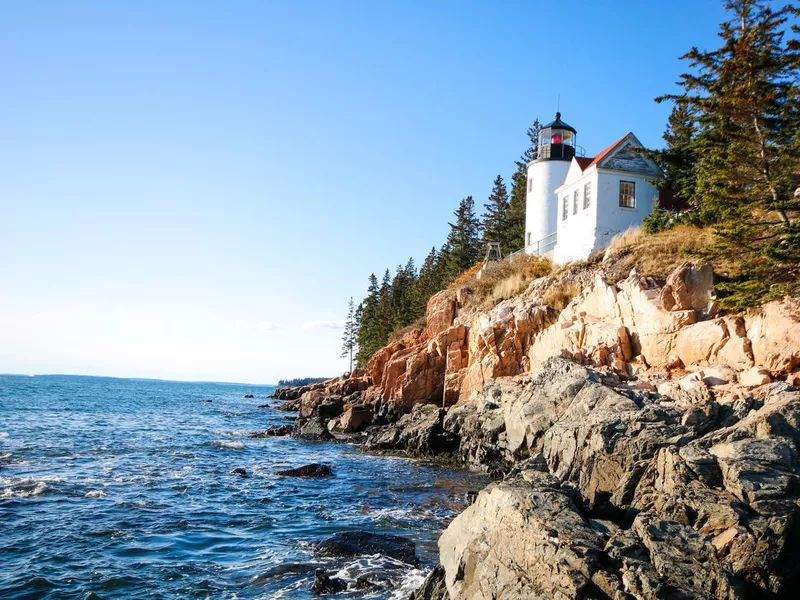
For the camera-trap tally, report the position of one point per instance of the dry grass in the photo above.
(503, 279)
(657, 255)
(560, 294)
(628, 238)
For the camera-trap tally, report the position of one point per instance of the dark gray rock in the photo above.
(274, 431)
(325, 584)
(359, 543)
(312, 429)
(240, 471)
(312, 470)
(434, 587)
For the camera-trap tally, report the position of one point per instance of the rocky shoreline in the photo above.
(643, 446)
(609, 491)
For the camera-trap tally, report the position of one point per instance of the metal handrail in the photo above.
(545, 244)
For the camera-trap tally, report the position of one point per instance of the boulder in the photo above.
(325, 584)
(274, 431)
(353, 419)
(314, 429)
(311, 470)
(364, 543)
(774, 332)
(689, 287)
(755, 377)
(419, 432)
(520, 539)
(319, 403)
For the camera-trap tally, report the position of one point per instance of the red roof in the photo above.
(585, 163)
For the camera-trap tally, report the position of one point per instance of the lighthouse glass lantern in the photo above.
(557, 140)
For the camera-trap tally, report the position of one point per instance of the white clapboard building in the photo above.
(576, 204)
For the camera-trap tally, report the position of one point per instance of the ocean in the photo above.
(120, 488)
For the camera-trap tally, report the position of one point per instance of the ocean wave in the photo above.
(384, 573)
(409, 584)
(3, 435)
(26, 487)
(226, 444)
(96, 494)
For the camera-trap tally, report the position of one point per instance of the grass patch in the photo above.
(503, 279)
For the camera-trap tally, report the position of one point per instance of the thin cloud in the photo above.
(322, 325)
(266, 327)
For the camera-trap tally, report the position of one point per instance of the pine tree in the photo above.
(744, 96)
(386, 316)
(519, 189)
(494, 225)
(426, 284)
(369, 337)
(679, 159)
(463, 242)
(350, 335)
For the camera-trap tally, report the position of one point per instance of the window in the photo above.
(627, 194)
(575, 202)
(565, 210)
(587, 195)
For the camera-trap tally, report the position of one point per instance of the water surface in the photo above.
(115, 488)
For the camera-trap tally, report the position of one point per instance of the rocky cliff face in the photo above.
(636, 328)
(647, 445)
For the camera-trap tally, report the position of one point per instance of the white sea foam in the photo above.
(5, 456)
(398, 514)
(96, 494)
(26, 487)
(229, 445)
(412, 581)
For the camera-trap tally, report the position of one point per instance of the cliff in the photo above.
(647, 444)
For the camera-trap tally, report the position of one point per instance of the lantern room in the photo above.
(557, 141)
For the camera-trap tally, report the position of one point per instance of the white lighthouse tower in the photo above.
(545, 173)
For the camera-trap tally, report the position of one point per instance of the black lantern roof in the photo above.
(559, 124)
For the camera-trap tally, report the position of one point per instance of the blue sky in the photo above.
(194, 190)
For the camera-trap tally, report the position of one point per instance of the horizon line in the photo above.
(4, 374)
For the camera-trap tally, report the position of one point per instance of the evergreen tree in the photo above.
(426, 284)
(679, 159)
(369, 337)
(744, 97)
(350, 335)
(386, 316)
(463, 242)
(494, 225)
(515, 239)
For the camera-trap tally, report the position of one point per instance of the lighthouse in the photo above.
(545, 173)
